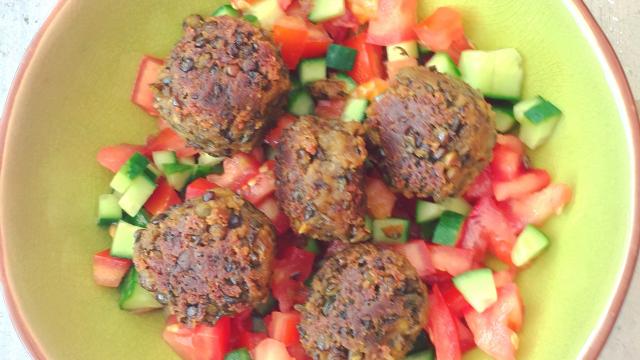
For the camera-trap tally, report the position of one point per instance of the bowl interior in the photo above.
(74, 99)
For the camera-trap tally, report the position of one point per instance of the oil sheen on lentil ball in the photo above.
(209, 257)
(365, 303)
(320, 176)
(432, 134)
(224, 85)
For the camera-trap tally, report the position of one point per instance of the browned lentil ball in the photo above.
(209, 257)
(432, 134)
(320, 178)
(365, 303)
(224, 85)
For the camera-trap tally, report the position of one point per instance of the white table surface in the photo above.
(20, 19)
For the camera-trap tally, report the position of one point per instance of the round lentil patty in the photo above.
(432, 134)
(365, 303)
(209, 257)
(224, 85)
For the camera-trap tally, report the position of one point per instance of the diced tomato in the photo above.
(300, 8)
(368, 64)
(288, 33)
(250, 340)
(148, 72)
(241, 324)
(289, 274)
(504, 277)
(439, 30)
(340, 27)
(113, 157)
(261, 185)
(452, 260)
(179, 337)
(417, 252)
(380, 199)
(330, 109)
(371, 89)
(506, 164)
(442, 328)
(273, 137)
(238, 169)
(481, 187)
(270, 208)
(197, 188)
(297, 352)
(162, 198)
(393, 23)
(167, 139)
(284, 4)
(457, 47)
(525, 184)
(108, 270)
(486, 226)
(466, 337)
(454, 299)
(212, 342)
(363, 10)
(393, 67)
(536, 208)
(317, 42)
(271, 349)
(494, 329)
(283, 327)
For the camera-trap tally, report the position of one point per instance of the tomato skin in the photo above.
(280, 221)
(289, 273)
(481, 187)
(167, 139)
(525, 184)
(340, 27)
(393, 67)
(212, 342)
(380, 199)
(283, 327)
(453, 261)
(271, 349)
(442, 328)
(440, 29)
(536, 208)
(417, 252)
(368, 64)
(260, 186)
(148, 72)
(393, 23)
(506, 163)
(273, 137)
(288, 33)
(317, 42)
(454, 299)
(162, 198)
(466, 337)
(113, 157)
(238, 169)
(197, 188)
(108, 270)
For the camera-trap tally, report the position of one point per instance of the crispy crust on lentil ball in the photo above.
(320, 176)
(209, 257)
(224, 85)
(432, 133)
(365, 303)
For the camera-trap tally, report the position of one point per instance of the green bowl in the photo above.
(71, 97)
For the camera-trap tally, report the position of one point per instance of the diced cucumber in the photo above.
(423, 355)
(530, 243)
(423, 50)
(149, 174)
(252, 19)
(504, 119)
(134, 297)
(448, 228)
(538, 118)
(443, 63)
(428, 229)
(324, 10)
(238, 354)
(300, 103)
(124, 239)
(427, 211)
(340, 57)
(312, 246)
(349, 82)
(160, 158)
(109, 211)
(141, 219)
(311, 70)
(206, 159)
(153, 170)
(204, 170)
(131, 169)
(137, 194)
(355, 110)
(267, 12)
(403, 50)
(227, 10)
(391, 230)
(178, 174)
(478, 288)
(456, 204)
(497, 74)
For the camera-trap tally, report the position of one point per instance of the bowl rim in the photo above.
(617, 78)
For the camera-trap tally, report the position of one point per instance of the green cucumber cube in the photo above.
(227, 10)
(160, 158)
(355, 110)
(134, 297)
(427, 211)
(178, 175)
(340, 57)
(123, 240)
(448, 228)
(301, 103)
(508, 75)
(131, 169)
(530, 243)
(478, 288)
(443, 63)
(504, 119)
(137, 194)
(403, 50)
(109, 211)
(423, 355)
(324, 10)
(391, 230)
(456, 204)
(141, 219)
(267, 12)
(206, 159)
(347, 80)
(311, 70)
(238, 354)
(538, 119)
